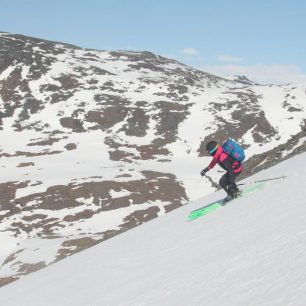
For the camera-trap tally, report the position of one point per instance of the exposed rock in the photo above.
(25, 164)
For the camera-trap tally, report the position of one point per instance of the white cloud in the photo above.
(229, 59)
(261, 73)
(190, 51)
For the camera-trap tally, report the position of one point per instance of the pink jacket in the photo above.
(225, 161)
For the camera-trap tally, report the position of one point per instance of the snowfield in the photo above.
(250, 252)
(94, 143)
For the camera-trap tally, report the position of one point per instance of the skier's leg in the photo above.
(227, 182)
(233, 190)
(224, 181)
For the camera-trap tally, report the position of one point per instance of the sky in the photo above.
(263, 39)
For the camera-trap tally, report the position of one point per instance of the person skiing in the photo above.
(232, 166)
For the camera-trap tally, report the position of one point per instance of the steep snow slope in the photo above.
(250, 252)
(93, 143)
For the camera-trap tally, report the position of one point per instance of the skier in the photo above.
(232, 167)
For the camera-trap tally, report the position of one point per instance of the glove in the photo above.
(203, 172)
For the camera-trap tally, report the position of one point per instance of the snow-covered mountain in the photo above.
(249, 252)
(94, 143)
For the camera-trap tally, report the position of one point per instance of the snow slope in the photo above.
(93, 143)
(250, 252)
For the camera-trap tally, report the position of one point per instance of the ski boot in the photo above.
(232, 193)
(227, 199)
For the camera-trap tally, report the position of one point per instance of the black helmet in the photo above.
(212, 147)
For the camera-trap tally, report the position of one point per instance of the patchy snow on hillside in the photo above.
(94, 143)
(249, 252)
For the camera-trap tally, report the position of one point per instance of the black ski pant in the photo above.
(228, 180)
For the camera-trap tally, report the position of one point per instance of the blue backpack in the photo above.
(233, 149)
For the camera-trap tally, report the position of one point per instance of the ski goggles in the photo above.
(212, 151)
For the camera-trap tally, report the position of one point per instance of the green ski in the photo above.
(216, 204)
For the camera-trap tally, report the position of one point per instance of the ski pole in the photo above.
(271, 179)
(265, 180)
(212, 182)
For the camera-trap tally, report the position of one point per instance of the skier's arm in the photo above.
(213, 162)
